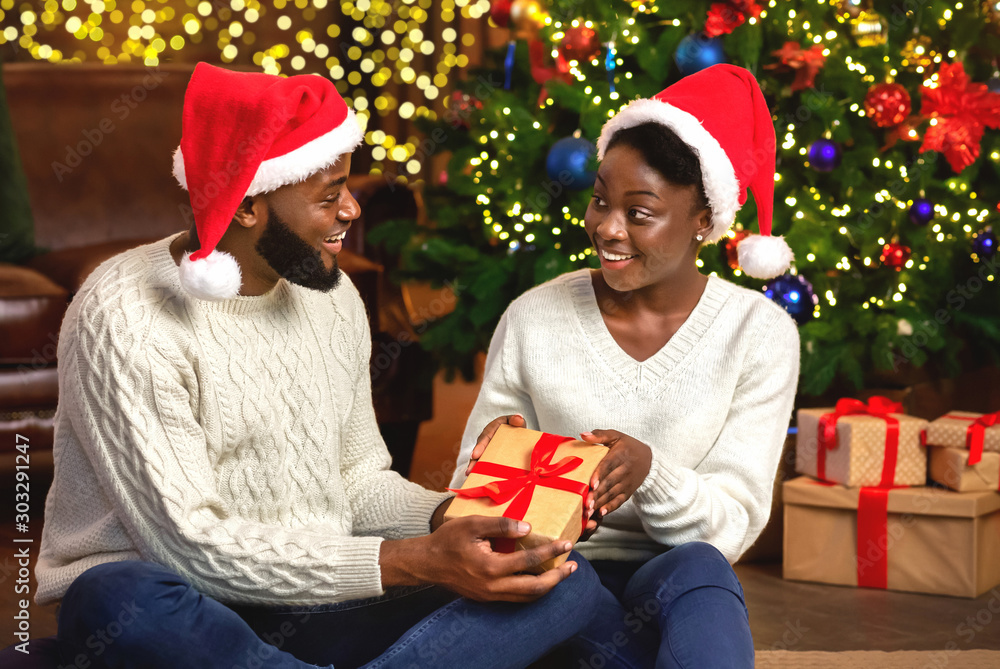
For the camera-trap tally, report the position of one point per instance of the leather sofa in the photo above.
(96, 144)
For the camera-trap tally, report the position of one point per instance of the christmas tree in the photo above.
(888, 169)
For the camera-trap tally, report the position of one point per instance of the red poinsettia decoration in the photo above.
(960, 111)
(724, 17)
(805, 62)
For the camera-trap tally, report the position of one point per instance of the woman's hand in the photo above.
(514, 420)
(622, 470)
(593, 519)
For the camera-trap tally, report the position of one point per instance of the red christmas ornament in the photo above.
(580, 44)
(729, 245)
(461, 106)
(500, 12)
(960, 112)
(895, 255)
(887, 105)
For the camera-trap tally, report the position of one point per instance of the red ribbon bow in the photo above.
(519, 484)
(873, 502)
(975, 435)
(877, 406)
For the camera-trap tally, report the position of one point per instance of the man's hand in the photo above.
(458, 556)
(514, 420)
(622, 470)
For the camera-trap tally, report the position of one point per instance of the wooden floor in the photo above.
(784, 615)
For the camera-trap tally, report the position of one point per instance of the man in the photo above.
(219, 473)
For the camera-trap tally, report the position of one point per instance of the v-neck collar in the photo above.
(654, 369)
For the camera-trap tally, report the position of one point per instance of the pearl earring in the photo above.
(699, 238)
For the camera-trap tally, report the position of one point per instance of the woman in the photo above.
(689, 380)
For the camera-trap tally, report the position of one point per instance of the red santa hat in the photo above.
(721, 114)
(244, 134)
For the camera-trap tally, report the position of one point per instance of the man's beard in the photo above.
(293, 258)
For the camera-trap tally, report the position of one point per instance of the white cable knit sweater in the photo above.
(233, 442)
(713, 405)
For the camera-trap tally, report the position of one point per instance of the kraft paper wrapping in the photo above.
(949, 467)
(951, 432)
(938, 542)
(857, 458)
(553, 514)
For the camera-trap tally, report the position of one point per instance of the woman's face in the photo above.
(643, 227)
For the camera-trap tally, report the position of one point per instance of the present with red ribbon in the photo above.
(912, 539)
(533, 476)
(950, 467)
(975, 432)
(859, 443)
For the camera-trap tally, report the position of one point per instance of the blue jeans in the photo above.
(683, 609)
(139, 614)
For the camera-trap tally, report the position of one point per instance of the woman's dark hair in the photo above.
(666, 153)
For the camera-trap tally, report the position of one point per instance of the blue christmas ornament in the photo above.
(993, 83)
(921, 211)
(697, 51)
(984, 243)
(568, 163)
(794, 294)
(824, 155)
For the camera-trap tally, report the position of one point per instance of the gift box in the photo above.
(950, 467)
(533, 476)
(927, 540)
(858, 444)
(976, 432)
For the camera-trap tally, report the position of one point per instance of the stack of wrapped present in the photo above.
(863, 514)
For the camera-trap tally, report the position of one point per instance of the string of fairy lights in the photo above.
(385, 45)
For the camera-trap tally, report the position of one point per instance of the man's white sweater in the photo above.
(233, 442)
(713, 405)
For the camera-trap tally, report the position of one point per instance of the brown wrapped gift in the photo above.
(858, 456)
(552, 512)
(952, 429)
(950, 467)
(938, 542)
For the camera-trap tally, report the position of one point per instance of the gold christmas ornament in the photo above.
(918, 53)
(527, 17)
(847, 9)
(869, 29)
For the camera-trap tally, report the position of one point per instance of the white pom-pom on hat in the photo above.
(764, 257)
(215, 277)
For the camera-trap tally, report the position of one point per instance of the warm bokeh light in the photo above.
(389, 42)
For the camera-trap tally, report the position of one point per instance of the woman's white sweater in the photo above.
(713, 405)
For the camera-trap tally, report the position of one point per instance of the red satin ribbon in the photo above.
(519, 484)
(877, 406)
(873, 533)
(975, 434)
